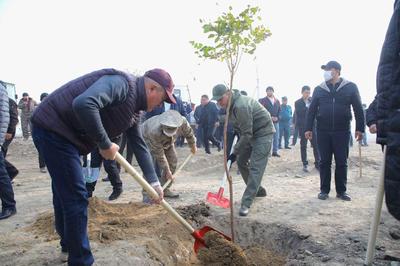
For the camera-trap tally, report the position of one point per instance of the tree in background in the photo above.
(231, 36)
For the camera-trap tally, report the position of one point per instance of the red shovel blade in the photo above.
(218, 199)
(199, 237)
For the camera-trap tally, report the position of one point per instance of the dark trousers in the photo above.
(208, 135)
(295, 135)
(284, 132)
(6, 189)
(392, 176)
(10, 168)
(303, 148)
(333, 143)
(199, 136)
(125, 142)
(70, 197)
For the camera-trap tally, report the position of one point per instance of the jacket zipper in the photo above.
(333, 113)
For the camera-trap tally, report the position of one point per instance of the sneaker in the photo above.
(115, 194)
(275, 154)
(323, 196)
(343, 196)
(261, 192)
(243, 211)
(170, 194)
(63, 256)
(105, 179)
(7, 213)
(305, 169)
(43, 170)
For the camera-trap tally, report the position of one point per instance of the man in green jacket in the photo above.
(255, 127)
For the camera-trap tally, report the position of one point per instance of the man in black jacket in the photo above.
(330, 105)
(209, 122)
(301, 108)
(383, 115)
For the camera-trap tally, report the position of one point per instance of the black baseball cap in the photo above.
(332, 64)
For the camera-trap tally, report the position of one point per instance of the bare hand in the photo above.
(274, 118)
(109, 154)
(359, 135)
(193, 149)
(158, 188)
(8, 136)
(168, 175)
(373, 129)
(308, 135)
(217, 124)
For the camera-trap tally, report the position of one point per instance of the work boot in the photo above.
(343, 196)
(323, 196)
(275, 154)
(6, 213)
(115, 194)
(244, 210)
(170, 194)
(261, 192)
(305, 169)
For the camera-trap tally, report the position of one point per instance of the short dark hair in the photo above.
(243, 93)
(284, 98)
(25, 94)
(204, 96)
(270, 88)
(305, 88)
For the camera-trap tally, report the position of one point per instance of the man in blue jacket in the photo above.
(84, 114)
(331, 106)
(209, 122)
(285, 116)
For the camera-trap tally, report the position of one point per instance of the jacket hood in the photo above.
(342, 84)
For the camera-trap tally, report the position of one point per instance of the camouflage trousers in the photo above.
(26, 125)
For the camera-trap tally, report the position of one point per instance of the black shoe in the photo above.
(244, 211)
(170, 194)
(219, 147)
(323, 196)
(208, 152)
(305, 169)
(275, 154)
(105, 179)
(292, 144)
(288, 148)
(13, 174)
(115, 194)
(6, 213)
(344, 196)
(261, 192)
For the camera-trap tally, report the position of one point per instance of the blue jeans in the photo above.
(276, 139)
(6, 189)
(284, 132)
(70, 198)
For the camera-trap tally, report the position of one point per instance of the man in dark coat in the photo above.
(84, 114)
(383, 116)
(209, 122)
(331, 106)
(301, 108)
(273, 106)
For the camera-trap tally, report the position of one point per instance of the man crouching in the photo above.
(160, 133)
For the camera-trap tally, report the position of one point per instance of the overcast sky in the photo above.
(44, 44)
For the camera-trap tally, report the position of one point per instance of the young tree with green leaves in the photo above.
(230, 37)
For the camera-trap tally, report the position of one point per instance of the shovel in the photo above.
(177, 171)
(197, 234)
(218, 199)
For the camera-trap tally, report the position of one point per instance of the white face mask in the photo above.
(328, 75)
(169, 134)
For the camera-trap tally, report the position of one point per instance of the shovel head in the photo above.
(218, 199)
(199, 237)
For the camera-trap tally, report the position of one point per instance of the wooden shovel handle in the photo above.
(169, 181)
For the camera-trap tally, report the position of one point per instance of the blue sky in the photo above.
(45, 43)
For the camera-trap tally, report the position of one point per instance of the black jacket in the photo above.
(301, 113)
(209, 115)
(388, 81)
(273, 109)
(331, 107)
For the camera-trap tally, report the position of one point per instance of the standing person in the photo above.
(160, 133)
(80, 116)
(42, 163)
(331, 102)
(301, 109)
(255, 127)
(6, 190)
(13, 111)
(27, 105)
(364, 141)
(209, 122)
(199, 129)
(274, 108)
(383, 113)
(285, 116)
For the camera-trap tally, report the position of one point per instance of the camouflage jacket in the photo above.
(158, 142)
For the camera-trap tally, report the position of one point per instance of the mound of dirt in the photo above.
(220, 251)
(195, 213)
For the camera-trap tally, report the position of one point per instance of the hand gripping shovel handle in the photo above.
(177, 171)
(149, 189)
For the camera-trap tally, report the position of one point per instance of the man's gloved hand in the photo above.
(232, 158)
(193, 149)
(158, 188)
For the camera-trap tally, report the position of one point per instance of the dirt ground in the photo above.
(290, 221)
